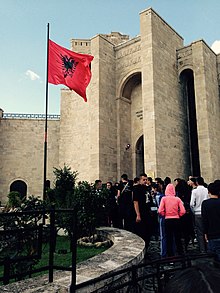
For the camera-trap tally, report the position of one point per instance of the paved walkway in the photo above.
(154, 249)
(150, 284)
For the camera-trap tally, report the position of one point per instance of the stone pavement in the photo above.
(154, 250)
(150, 285)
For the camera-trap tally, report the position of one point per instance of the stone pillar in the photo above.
(207, 109)
(148, 90)
(163, 123)
(88, 130)
(103, 134)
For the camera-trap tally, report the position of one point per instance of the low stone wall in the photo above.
(127, 250)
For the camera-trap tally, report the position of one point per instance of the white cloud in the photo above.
(32, 75)
(216, 46)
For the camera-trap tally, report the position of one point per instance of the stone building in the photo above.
(153, 106)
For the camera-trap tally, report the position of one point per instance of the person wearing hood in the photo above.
(172, 208)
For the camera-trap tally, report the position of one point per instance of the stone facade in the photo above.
(21, 156)
(150, 92)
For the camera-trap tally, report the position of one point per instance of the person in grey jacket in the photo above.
(199, 194)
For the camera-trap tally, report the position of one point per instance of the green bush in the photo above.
(61, 195)
(14, 200)
(91, 208)
(89, 205)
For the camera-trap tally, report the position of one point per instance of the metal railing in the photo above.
(30, 116)
(150, 276)
(32, 232)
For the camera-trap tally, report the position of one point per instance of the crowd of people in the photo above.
(173, 212)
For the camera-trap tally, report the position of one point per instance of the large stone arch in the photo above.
(127, 83)
(186, 78)
(132, 81)
(129, 121)
(185, 68)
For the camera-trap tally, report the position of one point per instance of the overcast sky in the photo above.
(23, 32)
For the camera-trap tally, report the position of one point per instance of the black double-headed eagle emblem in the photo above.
(68, 65)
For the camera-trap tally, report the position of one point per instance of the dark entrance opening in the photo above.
(19, 186)
(140, 156)
(187, 81)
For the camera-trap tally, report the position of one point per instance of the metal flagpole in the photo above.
(46, 110)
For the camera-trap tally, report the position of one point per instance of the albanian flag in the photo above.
(69, 68)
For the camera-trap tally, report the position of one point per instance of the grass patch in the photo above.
(62, 255)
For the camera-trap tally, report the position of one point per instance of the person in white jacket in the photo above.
(199, 194)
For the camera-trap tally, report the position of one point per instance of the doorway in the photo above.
(140, 156)
(187, 83)
(20, 186)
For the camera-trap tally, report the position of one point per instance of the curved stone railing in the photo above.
(127, 250)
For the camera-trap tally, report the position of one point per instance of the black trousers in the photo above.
(173, 232)
(126, 219)
(144, 229)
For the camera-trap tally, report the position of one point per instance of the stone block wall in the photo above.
(104, 74)
(136, 124)
(124, 137)
(162, 109)
(88, 130)
(82, 46)
(218, 69)
(128, 93)
(207, 108)
(22, 154)
(74, 140)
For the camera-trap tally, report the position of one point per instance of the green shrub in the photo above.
(14, 200)
(90, 206)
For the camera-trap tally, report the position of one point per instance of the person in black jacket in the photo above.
(142, 210)
(125, 204)
(211, 218)
(112, 206)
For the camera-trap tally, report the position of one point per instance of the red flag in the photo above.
(69, 68)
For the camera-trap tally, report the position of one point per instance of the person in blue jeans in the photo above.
(158, 197)
(211, 218)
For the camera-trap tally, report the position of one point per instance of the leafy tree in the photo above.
(61, 195)
(14, 200)
(90, 206)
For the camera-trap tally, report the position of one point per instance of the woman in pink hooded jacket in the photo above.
(171, 207)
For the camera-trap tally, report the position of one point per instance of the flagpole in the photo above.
(46, 110)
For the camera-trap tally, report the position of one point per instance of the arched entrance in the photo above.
(140, 156)
(20, 186)
(129, 123)
(187, 83)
